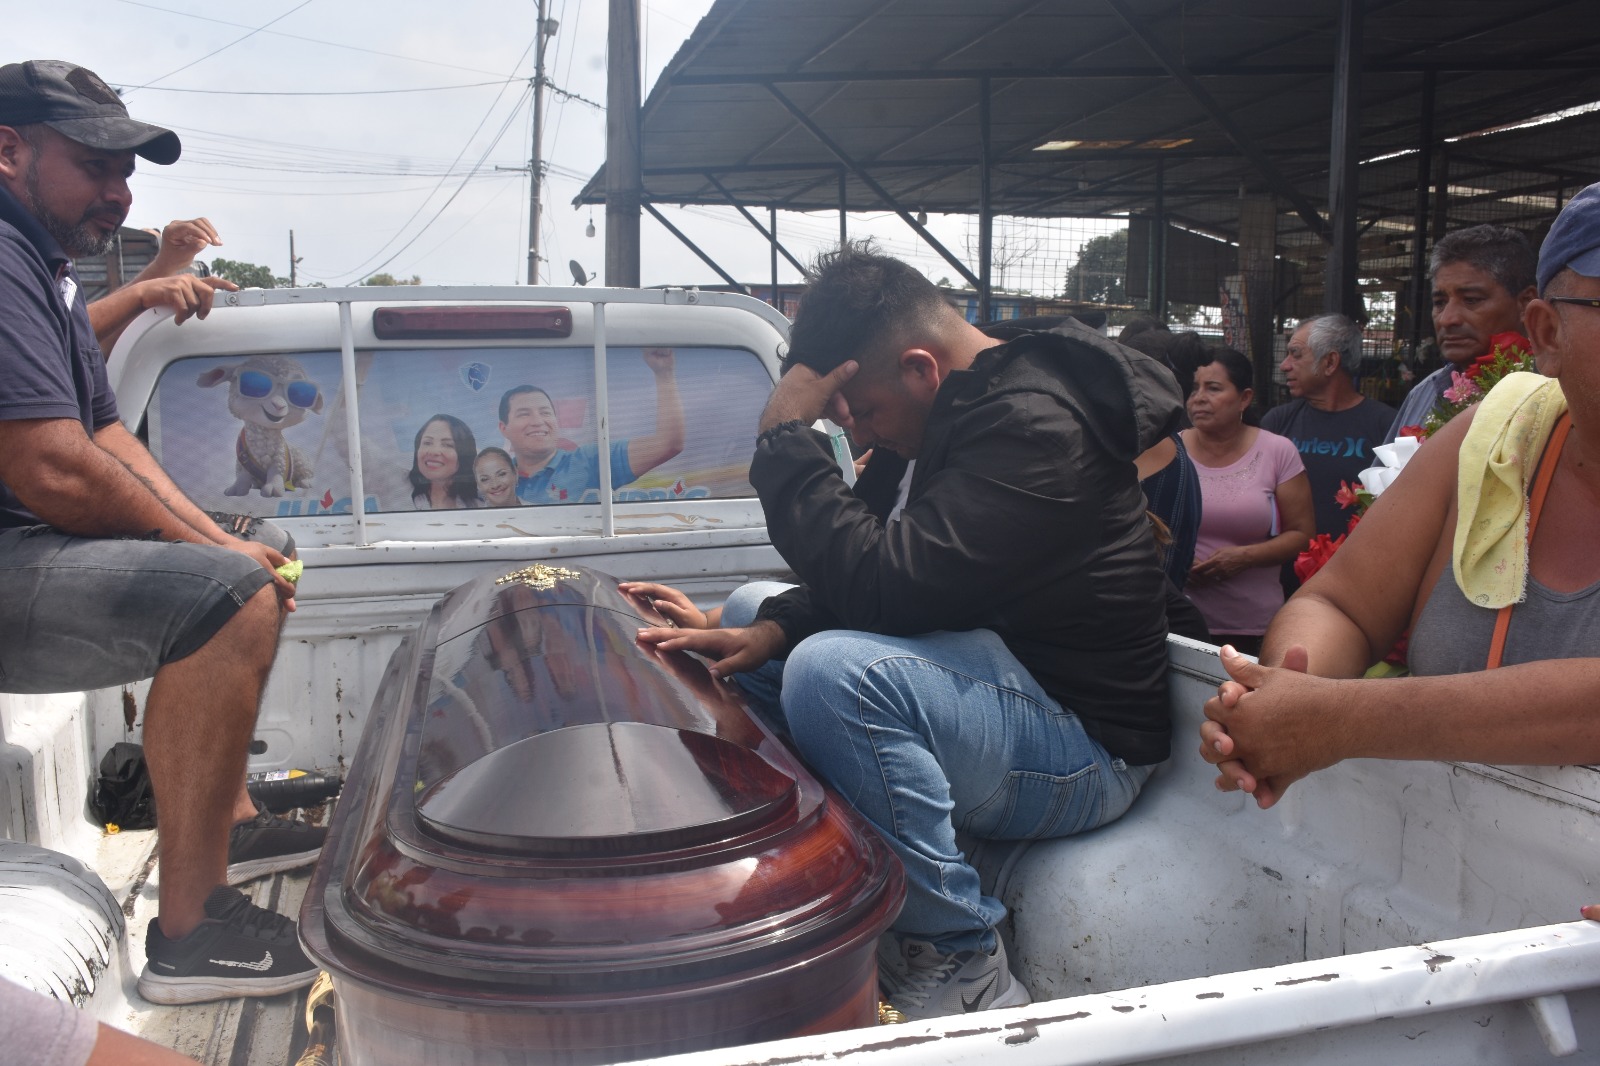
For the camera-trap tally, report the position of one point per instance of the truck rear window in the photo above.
(458, 428)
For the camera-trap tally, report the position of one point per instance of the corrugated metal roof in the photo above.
(896, 85)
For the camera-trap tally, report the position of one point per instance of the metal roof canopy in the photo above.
(1177, 110)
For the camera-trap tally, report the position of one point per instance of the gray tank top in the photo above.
(1452, 636)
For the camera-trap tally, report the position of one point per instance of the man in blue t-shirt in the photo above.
(549, 473)
(1333, 425)
(108, 573)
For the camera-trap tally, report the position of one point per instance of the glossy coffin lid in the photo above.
(544, 812)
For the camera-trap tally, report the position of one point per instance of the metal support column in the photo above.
(624, 181)
(1158, 251)
(1340, 288)
(1441, 193)
(985, 208)
(1420, 289)
(1258, 242)
(772, 226)
(844, 211)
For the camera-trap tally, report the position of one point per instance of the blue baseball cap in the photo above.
(1574, 239)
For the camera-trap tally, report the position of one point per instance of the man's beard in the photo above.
(78, 240)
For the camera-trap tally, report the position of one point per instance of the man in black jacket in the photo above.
(992, 661)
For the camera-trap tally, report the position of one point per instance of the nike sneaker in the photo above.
(268, 844)
(238, 950)
(921, 982)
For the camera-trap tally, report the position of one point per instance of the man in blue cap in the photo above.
(1504, 612)
(108, 573)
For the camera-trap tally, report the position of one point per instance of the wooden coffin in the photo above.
(557, 845)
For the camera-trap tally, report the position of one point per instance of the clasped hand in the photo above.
(1267, 727)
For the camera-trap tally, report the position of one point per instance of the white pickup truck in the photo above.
(1385, 912)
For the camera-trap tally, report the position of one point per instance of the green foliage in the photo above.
(390, 279)
(1100, 273)
(247, 275)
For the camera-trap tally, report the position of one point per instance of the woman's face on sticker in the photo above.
(436, 452)
(497, 482)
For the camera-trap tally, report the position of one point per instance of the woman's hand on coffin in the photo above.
(730, 651)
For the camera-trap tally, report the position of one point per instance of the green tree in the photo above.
(247, 275)
(390, 279)
(1100, 273)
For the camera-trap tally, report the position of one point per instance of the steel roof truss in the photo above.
(870, 182)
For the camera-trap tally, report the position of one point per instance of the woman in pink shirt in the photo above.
(1255, 509)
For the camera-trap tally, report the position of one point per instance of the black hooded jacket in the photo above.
(1024, 516)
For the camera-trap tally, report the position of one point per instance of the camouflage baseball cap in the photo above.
(73, 101)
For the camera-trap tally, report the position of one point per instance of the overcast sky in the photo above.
(393, 179)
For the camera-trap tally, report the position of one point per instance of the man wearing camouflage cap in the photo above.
(108, 573)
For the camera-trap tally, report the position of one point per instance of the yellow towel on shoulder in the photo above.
(1499, 457)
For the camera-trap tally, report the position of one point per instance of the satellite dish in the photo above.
(579, 275)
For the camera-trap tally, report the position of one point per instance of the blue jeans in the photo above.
(932, 735)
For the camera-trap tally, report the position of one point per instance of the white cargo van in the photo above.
(1384, 912)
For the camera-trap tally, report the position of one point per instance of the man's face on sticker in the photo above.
(531, 426)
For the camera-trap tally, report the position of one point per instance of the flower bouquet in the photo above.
(1509, 352)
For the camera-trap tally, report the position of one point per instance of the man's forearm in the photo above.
(97, 496)
(110, 315)
(669, 413)
(127, 449)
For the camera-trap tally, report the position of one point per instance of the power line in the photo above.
(501, 133)
(345, 92)
(224, 48)
(308, 40)
(528, 91)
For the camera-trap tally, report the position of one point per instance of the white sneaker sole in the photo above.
(240, 872)
(172, 991)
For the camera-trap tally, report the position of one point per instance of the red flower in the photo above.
(1355, 520)
(1411, 431)
(1346, 496)
(1508, 340)
(1316, 556)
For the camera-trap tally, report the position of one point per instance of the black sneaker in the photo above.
(268, 844)
(239, 950)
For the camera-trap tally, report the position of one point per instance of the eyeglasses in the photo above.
(255, 384)
(1582, 301)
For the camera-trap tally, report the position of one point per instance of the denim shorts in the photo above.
(84, 612)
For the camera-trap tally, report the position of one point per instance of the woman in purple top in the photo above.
(1256, 511)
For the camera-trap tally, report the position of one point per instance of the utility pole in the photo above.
(294, 261)
(545, 30)
(624, 181)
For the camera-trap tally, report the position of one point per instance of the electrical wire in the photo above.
(208, 55)
(308, 40)
(526, 93)
(344, 92)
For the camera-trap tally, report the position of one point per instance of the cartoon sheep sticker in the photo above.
(268, 393)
